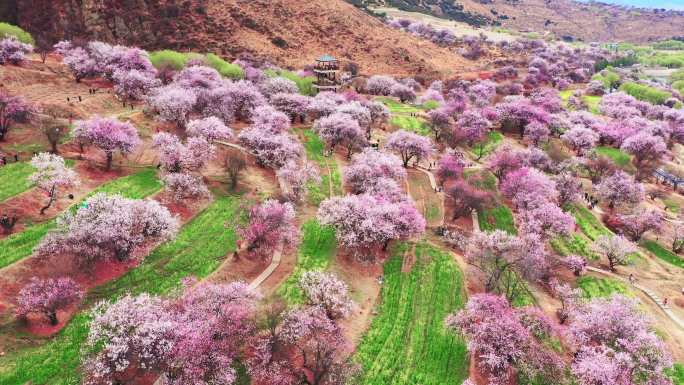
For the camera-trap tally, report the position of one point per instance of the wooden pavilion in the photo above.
(327, 71)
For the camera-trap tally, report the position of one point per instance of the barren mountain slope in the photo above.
(589, 22)
(290, 32)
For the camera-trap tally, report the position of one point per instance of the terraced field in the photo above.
(593, 287)
(316, 251)
(21, 244)
(407, 342)
(331, 178)
(14, 179)
(198, 250)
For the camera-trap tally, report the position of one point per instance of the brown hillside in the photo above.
(588, 22)
(584, 21)
(289, 32)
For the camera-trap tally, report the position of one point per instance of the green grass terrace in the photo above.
(198, 250)
(407, 342)
(20, 245)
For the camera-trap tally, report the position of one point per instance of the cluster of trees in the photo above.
(378, 211)
(199, 336)
(13, 51)
(128, 68)
(107, 228)
(611, 339)
(440, 36)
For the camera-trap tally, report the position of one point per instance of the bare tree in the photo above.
(52, 126)
(234, 165)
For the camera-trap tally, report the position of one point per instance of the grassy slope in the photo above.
(315, 152)
(619, 157)
(411, 124)
(198, 249)
(14, 179)
(481, 150)
(497, 218)
(677, 374)
(576, 244)
(315, 253)
(593, 287)
(663, 253)
(588, 223)
(396, 107)
(20, 245)
(407, 342)
(591, 101)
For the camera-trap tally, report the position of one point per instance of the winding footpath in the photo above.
(649, 293)
(275, 262)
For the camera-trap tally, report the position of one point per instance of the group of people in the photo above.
(591, 200)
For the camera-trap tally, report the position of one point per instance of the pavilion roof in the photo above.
(326, 58)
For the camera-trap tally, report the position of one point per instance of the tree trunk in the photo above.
(53, 147)
(52, 316)
(480, 151)
(109, 160)
(52, 199)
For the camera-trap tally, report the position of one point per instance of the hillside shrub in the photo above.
(7, 30)
(226, 69)
(679, 86)
(168, 58)
(609, 78)
(677, 76)
(645, 93)
(668, 60)
(671, 45)
(624, 61)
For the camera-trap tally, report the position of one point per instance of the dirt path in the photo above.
(648, 292)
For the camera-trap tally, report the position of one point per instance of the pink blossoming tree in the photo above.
(340, 129)
(502, 339)
(126, 338)
(328, 292)
(47, 297)
(616, 249)
(364, 222)
(109, 135)
(270, 224)
(409, 146)
(12, 109)
(210, 128)
(370, 166)
(108, 227)
(620, 189)
(51, 175)
(647, 151)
